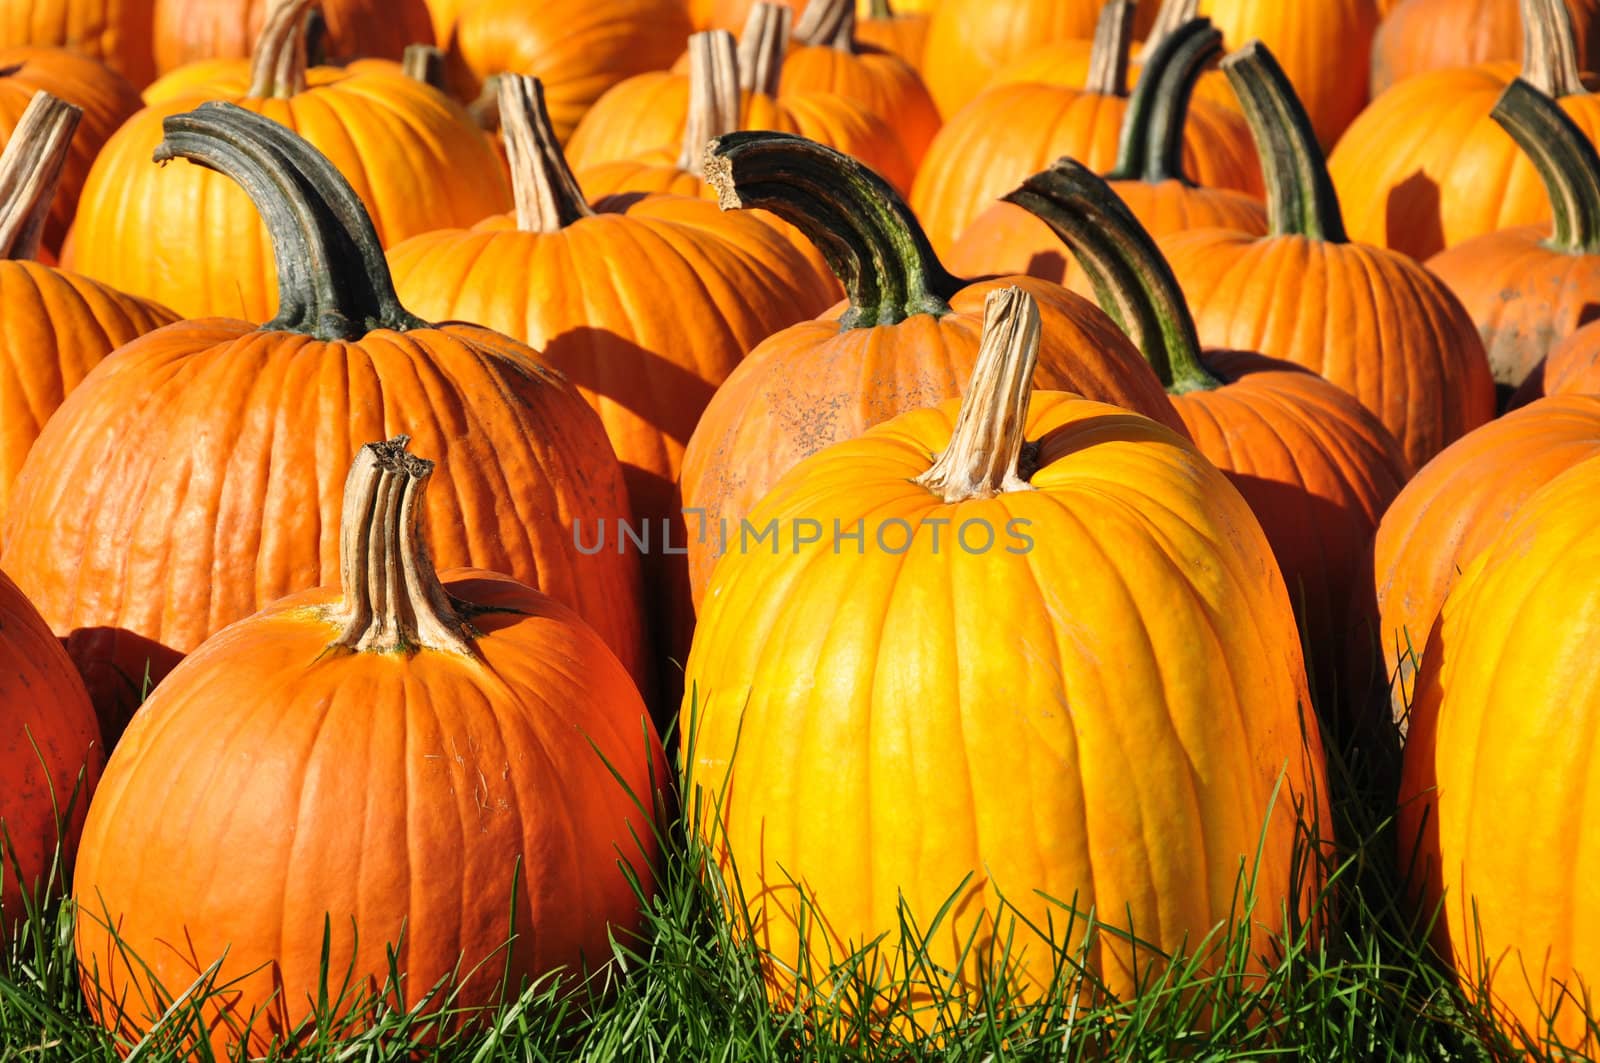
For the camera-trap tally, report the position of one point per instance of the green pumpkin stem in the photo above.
(333, 281)
(1108, 56)
(547, 194)
(393, 601)
(1549, 48)
(30, 169)
(986, 452)
(1132, 281)
(863, 228)
(1151, 145)
(424, 63)
(1566, 161)
(763, 46)
(830, 23)
(1301, 200)
(880, 9)
(278, 64)
(714, 96)
(1171, 15)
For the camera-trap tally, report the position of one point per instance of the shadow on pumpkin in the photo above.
(1413, 209)
(119, 668)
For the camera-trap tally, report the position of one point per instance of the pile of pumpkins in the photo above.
(994, 452)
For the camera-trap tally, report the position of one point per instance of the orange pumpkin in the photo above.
(1423, 35)
(191, 30)
(115, 32)
(906, 337)
(1372, 321)
(1014, 130)
(192, 478)
(899, 29)
(1425, 167)
(192, 240)
(414, 766)
(1571, 368)
(1148, 176)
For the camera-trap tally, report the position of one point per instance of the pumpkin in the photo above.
(191, 240)
(1370, 320)
(1499, 774)
(577, 48)
(898, 29)
(1425, 167)
(105, 98)
(115, 32)
(1571, 368)
(732, 14)
(1015, 130)
(1530, 287)
(905, 338)
(869, 720)
(58, 325)
(1423, 35)
(191, 479)
(827, 58)
(482, 741)
(1148, 176)
(190, 30)
(645, 305)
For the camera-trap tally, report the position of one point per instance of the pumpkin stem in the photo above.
(985, 454)
(1108, 57)
(880, 9)
(828, 22)
(1566, 160)
(1171, 15)
(1131, 279)
(863, 228)
(763, 47)
(548, 197)
(393, 600)
(333, 281)
(1151, 148)
(1301, 200)
(1549, 51)
(424, 63)
(278, 64)
(714, 98)
(30, 168)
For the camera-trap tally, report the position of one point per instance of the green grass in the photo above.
(690, 988)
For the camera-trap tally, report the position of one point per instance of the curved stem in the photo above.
(1132, 282)
(1301, 200)
(871, 239)
(1566, 161)
(1549, 50)
(1108, 57)
(547, 194)
(30, 169)
(714, 98)
(1151, 148)
(985, 454)
(830, 23)
(278, 64)
(1171, 15)
(393, 600)
(763, 46)
(333, 281)
(424, 63)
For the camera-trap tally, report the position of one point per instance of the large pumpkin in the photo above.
(999, 675)
(193, 478)
(397, 761)
(1370, 320)
(191, 30)
(905, 338)
(1500, 772)
(115, 32)
(1423, 35)
(191, 239)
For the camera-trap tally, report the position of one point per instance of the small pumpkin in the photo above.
(1423, 35)
(191, 30)
(1370, 320)
(899, 29)
(1571, 368)
(192, 478)
(114, 32)
(400, 767)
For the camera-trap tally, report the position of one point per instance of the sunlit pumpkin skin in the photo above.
(1571, 368)
(192, 478)
(899, 29)
(577, 48)
(1001, 657)
(105, 97)
(1015, 130)
(905, 338)
(1425, 168)
(115, 32)
(191, 240)
(190, 30)
(1423, 35)
(1455, 507)
(1147, 177)
(1530, 287)
(1500, 765)
(1372, 321)
(439, 778)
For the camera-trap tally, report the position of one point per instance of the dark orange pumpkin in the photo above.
(114, 32)
(1423, 35)
(191, 30)
(194, 477)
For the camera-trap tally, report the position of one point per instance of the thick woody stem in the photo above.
(763, 46)
(30, 169)
(830, 23)
(547, 194)
(1549, 50)
(278, 64)
(714, 98)
(1108, 57)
